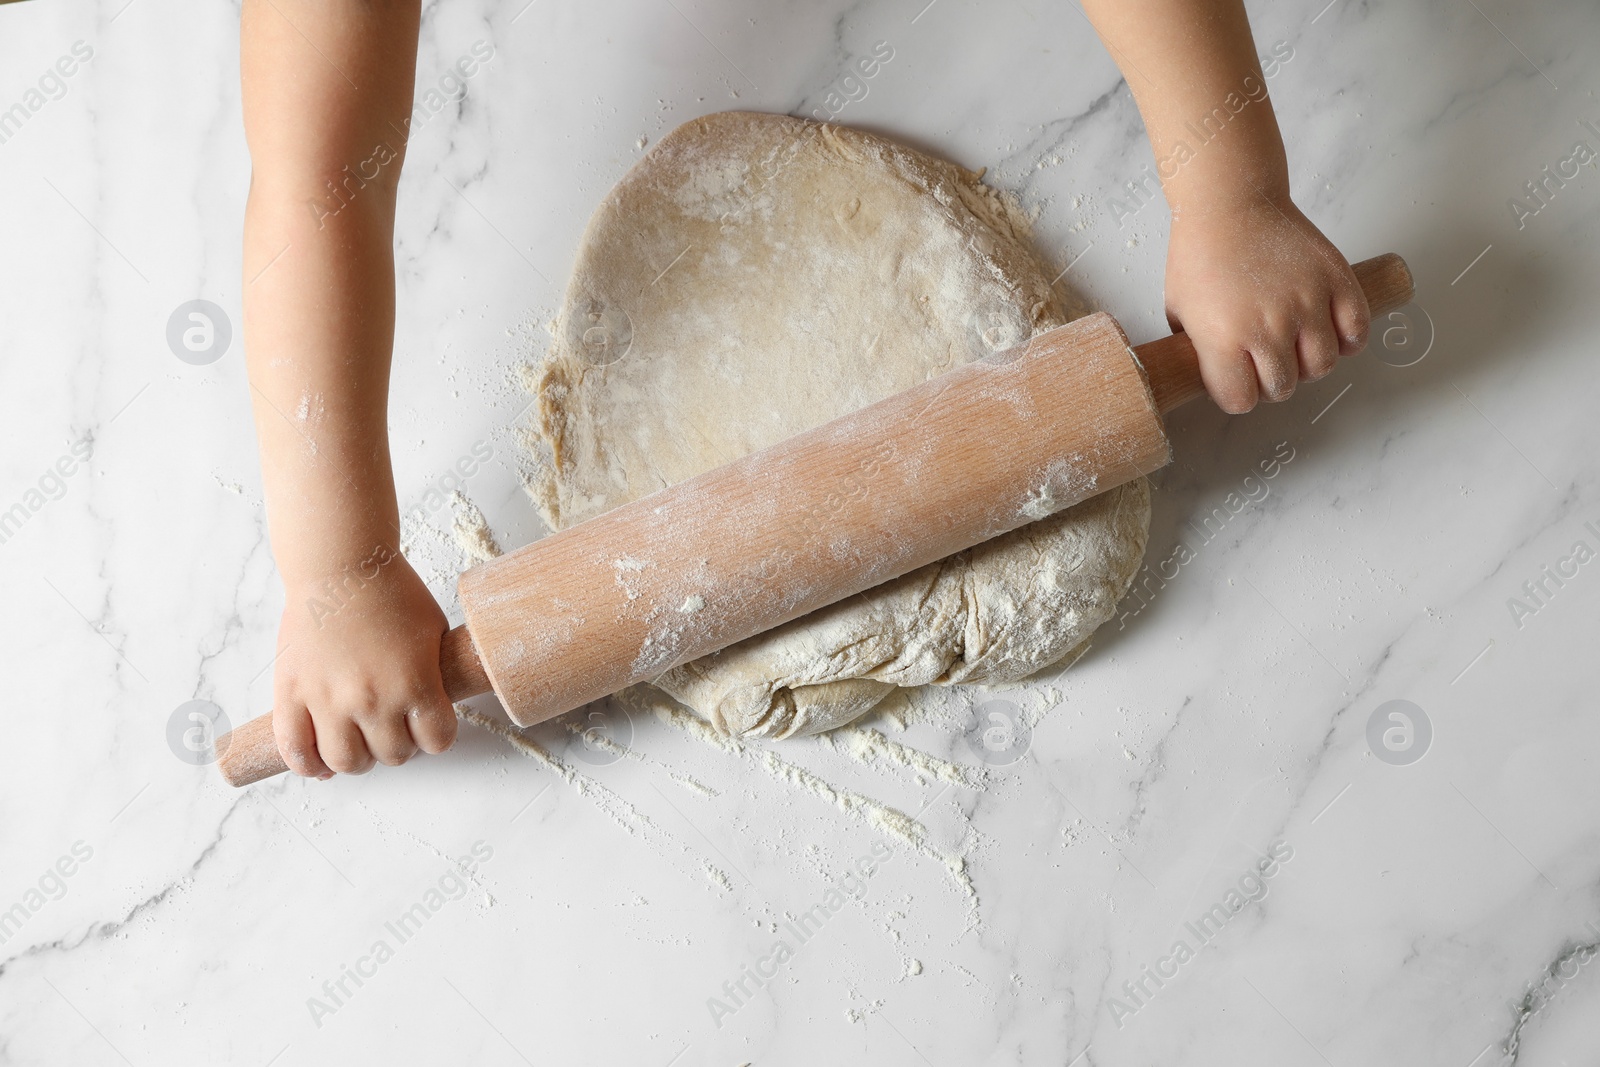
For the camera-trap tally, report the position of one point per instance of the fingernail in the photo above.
(324, 776)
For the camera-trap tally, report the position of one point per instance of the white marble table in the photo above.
(1430, 912)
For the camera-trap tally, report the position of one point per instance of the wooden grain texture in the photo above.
(1174, 369)
(250, 753)
(819, 517)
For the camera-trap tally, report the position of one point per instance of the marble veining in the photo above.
(1422, 545)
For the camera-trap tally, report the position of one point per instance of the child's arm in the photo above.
(1267, 300)
(327, 85)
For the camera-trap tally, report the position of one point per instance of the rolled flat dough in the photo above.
(754, 276)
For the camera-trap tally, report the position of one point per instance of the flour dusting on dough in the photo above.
(753, 277)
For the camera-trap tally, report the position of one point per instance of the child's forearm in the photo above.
(318, 338)
(1192, 67)
(327, 86)
(1266, 298)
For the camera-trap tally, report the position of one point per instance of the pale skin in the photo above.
(1268, 301)
(1265, 297)
(358, 683)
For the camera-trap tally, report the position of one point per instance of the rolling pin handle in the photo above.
(250, 753)
(1174, 369)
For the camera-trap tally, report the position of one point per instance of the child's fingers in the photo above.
(1225, 366)
(1352, 319)
(1318, 347)
(1277, 365)
(342, 745)
(297, 740)
(1229, 377)
(433, 722)
(388, 739)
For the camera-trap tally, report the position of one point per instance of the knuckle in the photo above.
(1276, 368)
(294, 745)
(346, 759)
(1359, 327)
(369, 712)
(299, 764)
(297, 755)
(433, 700)
(435, 733)
(1321, 355)
(1239, 332)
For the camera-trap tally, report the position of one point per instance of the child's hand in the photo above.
(359, 681)
(1266, 299)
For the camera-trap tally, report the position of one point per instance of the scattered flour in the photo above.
(473, 536)
(695, 786)
(886, 820)
(696, 727)
(385, 827)
(624, 814)
(599, 740)
(974, 979)
(868, 746)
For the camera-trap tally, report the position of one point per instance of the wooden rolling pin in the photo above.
(844, 507)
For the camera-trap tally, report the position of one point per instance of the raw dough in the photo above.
(754, 276)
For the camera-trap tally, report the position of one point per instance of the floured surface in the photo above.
(754, 277)
(864, 746)
(1196, 734)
